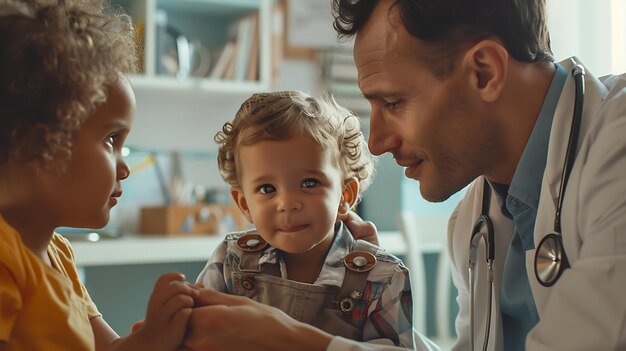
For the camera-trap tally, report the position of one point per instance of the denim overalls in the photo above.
(326, 307)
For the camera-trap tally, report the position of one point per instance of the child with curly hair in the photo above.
(295, 165)
(65, 112)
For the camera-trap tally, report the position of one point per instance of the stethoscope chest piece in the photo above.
(550, 260)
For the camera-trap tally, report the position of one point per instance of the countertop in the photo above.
(146, 249)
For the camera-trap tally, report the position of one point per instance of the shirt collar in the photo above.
(333, 271)
(526, 183)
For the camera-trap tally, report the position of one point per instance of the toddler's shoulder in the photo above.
(387, 264)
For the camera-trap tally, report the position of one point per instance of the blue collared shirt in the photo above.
(517, 306)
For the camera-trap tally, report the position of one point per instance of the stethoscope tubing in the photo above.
(560, 258)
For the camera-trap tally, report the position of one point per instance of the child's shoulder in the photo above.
(247, 240)
(386, 269)
(381, 254)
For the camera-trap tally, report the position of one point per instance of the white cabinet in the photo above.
(182, 41)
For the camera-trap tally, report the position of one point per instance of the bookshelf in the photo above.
(182, 41)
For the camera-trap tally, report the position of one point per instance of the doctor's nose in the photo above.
(288, 202)
(382, 138)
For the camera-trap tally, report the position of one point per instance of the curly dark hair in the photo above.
(285, 114)
(57, 58)
(446, 26)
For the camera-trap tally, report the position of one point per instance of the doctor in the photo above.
(467, 93)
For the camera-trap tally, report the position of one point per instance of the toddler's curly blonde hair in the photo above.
(283, 115)
(57, 58)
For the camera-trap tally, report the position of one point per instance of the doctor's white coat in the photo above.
(586, 308)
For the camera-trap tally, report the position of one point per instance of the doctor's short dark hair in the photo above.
(282, 115)
(448, 26)
(57, 58)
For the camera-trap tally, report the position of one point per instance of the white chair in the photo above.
(423, 235)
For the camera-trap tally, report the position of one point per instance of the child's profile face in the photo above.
(84, 195)
(291, 191)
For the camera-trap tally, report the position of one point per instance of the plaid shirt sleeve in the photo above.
(216, 274)
(390, 314)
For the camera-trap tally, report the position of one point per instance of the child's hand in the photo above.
(169, 309)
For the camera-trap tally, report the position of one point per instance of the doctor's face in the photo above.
(430, 125)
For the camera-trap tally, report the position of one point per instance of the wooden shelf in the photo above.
(196, 85)
(199, 21)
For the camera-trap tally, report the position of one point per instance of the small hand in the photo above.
(169, 309)
(360, 229)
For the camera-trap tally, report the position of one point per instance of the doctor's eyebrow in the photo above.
(379, 95)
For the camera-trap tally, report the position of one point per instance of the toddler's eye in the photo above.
(266, 189)
(310, 183)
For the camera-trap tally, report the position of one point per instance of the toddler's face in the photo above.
(291, 191)
(84, 195)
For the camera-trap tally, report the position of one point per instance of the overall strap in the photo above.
(252, 247)
(358, 263)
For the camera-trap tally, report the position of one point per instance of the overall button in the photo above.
(359, 261)
(346, 305)
(251, 243)
(247, 283)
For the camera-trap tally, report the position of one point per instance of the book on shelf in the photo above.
(224, 56)
(229, 72)
(278, 39)
(239, 56)
(244, 42)
(253, 63)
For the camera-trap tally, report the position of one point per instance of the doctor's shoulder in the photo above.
(613, 104)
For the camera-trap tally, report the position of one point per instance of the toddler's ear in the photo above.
(350, 193)
(240, 200)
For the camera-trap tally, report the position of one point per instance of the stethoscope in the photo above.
(550, 257)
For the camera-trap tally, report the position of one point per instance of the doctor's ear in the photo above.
(487, 62)
(240, 201)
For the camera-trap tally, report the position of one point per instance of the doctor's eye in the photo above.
(266, 189)
(310, 183)
(392, 105)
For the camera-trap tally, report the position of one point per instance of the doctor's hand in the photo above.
(225, 322)
(360, 229)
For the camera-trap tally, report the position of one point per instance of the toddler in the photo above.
(295, 164)
(65, 112)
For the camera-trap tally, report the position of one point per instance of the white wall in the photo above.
(592, 30)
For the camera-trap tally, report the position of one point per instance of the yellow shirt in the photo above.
(42, 307)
